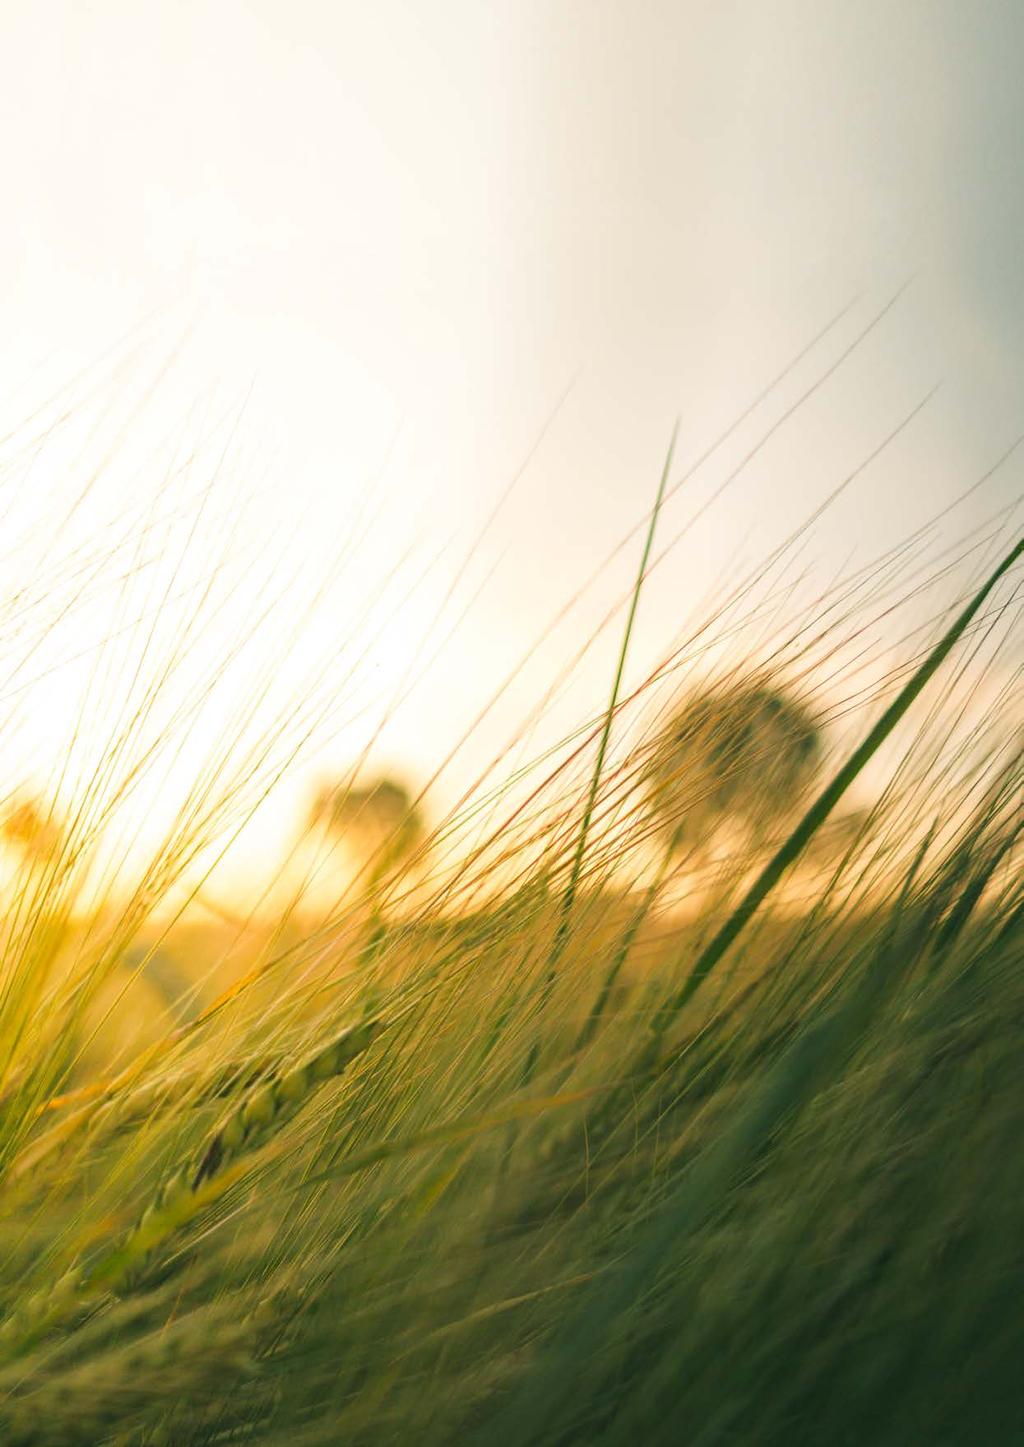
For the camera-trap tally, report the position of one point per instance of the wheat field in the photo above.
(664, 1090)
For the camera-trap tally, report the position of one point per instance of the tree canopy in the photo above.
(745, 751)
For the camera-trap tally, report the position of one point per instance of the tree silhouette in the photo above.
(745, 752)
(381, 817)
(383, 823)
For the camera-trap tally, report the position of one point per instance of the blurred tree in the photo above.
(746, 752)
(384, 824)
(743, 753)
(381, 817)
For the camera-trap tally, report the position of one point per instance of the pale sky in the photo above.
(402, 230)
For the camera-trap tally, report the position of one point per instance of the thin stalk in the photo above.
(572, 888)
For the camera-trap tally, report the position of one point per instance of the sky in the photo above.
(386, 269)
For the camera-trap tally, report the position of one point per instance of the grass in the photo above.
(507, 1146)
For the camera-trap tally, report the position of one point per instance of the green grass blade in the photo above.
(602, 748)
(569, 897)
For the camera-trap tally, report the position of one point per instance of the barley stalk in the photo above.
(187, 1192)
